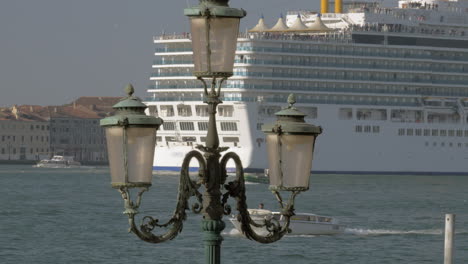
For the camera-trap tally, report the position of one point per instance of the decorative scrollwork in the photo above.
(276, 229)
(187, 188)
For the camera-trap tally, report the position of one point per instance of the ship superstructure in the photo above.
(388, 85)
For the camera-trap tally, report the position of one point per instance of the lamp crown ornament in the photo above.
(129, 89)
(291, 100)
(214, 2)
(215, 8)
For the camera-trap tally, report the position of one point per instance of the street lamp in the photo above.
(131, 137)
(131, 142)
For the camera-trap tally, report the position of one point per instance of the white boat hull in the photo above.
(299, 224)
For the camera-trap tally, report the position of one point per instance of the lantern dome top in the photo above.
(215, 8)
(291, 121)
(130, 101)
(131, 111)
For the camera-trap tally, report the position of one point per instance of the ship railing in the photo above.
(342, 36)
(399, 29)
(280, 99)
(350, 64)
(334, 37)
(318, 75)
(184, 35)
(170, 62)
(421, 8)
(402, 91)
(320, 50)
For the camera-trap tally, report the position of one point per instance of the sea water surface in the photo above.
(62, 216)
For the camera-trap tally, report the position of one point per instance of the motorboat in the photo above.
(58, 161)
(257, 178)
(301, 223)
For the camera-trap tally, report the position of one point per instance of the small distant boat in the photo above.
(257, 178)
(58, 162)
(301, 223)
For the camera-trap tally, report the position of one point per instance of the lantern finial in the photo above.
(291, 100)
(129, 90)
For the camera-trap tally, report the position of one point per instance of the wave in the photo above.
(231, 232)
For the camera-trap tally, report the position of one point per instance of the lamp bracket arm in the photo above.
(187, 188)
(205, 86)
(288, 209)
(216, 84)
(276, 228)
(218, 93)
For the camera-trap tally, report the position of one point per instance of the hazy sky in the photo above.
(54, 51)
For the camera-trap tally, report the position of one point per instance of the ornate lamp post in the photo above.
(131, 141)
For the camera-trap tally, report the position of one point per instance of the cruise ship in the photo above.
(388, 85)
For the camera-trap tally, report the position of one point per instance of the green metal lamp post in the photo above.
(131, 138)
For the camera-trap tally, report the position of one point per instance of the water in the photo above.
(73, 216)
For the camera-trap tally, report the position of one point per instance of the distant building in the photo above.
(23, 136)
(75, 131)
(37, 132)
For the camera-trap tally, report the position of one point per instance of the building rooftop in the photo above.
(83, 107)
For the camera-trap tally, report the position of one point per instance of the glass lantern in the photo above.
(214, 28)
(131, 140)
(290, 147)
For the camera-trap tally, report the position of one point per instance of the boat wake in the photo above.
(368, 232)
(377, 232)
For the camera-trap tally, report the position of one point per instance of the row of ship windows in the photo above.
(391, 88)
(432, 132)
(352, 50)
(186, 110)
(331, 61)
(399, 115)
(367, 129)
(311, 48)
(273, 97)
(191, 139)
(202, 126)
(415, 132)
(351, 75)
(444, 144)
(379, 63)
(335, 74)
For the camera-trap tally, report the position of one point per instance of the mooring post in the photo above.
(449, 231)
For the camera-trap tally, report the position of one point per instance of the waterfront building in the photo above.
(23, 136)
(75, 130)
(37, 132)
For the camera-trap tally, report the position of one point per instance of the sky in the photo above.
(54, 51)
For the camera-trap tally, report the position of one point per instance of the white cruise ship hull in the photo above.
(389, 87)
(340, 149)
